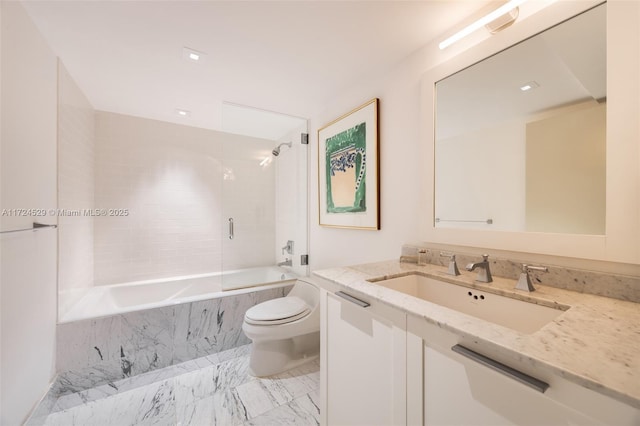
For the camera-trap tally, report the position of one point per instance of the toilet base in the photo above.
(276, 356)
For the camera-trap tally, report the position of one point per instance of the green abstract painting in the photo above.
(345, 156)
(348, 158)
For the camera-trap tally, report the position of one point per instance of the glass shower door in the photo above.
(291, 202)
(264, 204)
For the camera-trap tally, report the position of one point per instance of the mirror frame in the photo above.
(621, 242)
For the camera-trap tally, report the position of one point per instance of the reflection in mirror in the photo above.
(520, 136)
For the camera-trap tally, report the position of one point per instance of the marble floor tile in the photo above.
(92, 413)
(260, 396)
(300, 381)
(213, 390)
(239, 352)
(70, 400)
(264, 394)
(222, 408)
(220, 377)
(150, 405)
(194, 412)
(303, 411)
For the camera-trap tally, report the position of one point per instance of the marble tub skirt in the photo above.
(142, 337)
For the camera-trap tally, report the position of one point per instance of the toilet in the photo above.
(285, 331)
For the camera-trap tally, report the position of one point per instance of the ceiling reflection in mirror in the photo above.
(520, 137)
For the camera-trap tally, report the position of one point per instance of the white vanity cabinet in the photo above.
(382, 366)
(457, 390)
(363, 362)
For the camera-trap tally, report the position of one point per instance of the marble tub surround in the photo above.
(212, 390)
(101, 351)
(621, 287)
(594, 344)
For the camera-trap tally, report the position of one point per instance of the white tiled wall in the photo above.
(179, 192)
(76, 158)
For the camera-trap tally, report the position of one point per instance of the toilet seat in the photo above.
(277, 311)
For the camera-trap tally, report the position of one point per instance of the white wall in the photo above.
(1, 180)
(403, 154)
(398, 89)
(180, 185)
(76, 152)
(28, 157)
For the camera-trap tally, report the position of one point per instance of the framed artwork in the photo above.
(348, 181)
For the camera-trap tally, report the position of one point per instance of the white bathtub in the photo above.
(114, 299)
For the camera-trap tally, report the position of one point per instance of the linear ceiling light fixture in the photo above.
(506, 8)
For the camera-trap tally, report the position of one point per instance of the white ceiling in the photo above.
(289, 56)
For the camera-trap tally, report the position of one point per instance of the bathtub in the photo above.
(116, 299)
(123, 330)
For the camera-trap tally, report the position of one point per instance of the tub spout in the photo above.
(287, 262)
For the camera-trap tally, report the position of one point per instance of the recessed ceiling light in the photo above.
(529, 86)
(192, 55)
(183, 112)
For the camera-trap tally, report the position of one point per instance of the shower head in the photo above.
(276, 150)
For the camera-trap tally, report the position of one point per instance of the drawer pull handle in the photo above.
(352, 299)
(518, 376)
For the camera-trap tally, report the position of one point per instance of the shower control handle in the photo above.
(288, 247)
(231, 228)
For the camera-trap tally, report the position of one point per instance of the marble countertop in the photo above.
(595, 344)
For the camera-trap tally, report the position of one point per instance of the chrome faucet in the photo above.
(524, 282)
(484, 273)
(453, 266)
(287, 262)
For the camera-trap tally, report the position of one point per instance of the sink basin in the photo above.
(525, 317)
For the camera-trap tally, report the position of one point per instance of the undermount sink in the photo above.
(525, 317)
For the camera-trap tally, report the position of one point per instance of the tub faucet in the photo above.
(287, 262)
(484, 273)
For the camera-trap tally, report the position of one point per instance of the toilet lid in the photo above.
(290, 308)
(278, 321)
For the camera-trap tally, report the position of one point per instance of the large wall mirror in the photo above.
(520, 137)
(549, 169)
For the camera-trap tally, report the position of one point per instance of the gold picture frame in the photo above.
(348, 170)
